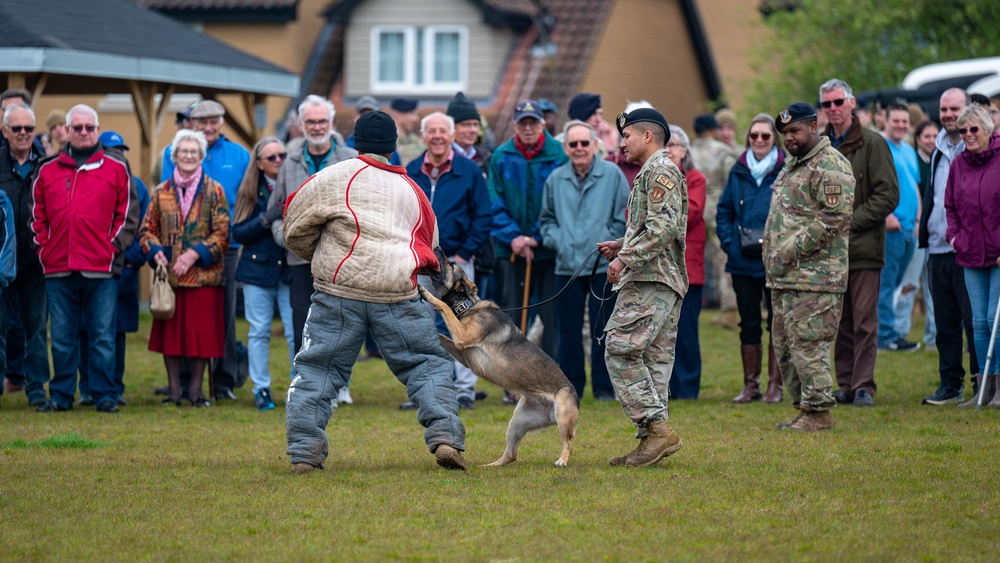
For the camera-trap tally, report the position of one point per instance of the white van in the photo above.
(974, 75)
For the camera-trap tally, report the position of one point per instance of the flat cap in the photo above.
(705, 122)
(367, 103)
(207, 108)
(644, 114)
(403, 104)
(795, 112)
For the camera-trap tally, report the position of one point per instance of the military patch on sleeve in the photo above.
(657, 193)
(665, 182)
(832, 192)
(832, 189)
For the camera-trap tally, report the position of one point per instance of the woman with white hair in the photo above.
(685, 383)
(187, 229)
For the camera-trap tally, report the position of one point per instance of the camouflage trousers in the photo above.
(641, 335)
(804, 328)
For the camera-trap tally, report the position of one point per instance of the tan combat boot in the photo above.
(449, 458)
(620, 460)
(784, 425)
(774, 384)
(751, 356)
(661, 442)
(812, 421)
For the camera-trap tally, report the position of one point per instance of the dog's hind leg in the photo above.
(530, 414)
(567, 415)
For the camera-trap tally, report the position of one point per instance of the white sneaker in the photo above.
(344, 396)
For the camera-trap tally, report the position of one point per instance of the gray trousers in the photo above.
(331, 340)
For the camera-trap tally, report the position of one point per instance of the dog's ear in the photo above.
(469, 287)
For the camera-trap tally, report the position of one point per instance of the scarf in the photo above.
(760, 168)
(530, 152)
(186, 189)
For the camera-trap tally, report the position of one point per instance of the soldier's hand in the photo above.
(609, 249)
(614, 270)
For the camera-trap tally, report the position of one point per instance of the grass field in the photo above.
(899, 481)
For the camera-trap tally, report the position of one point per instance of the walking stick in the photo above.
(989, 357)
(524, 300)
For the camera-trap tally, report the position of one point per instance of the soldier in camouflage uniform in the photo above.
(805, 254)
(715, 159)
(647, 268)
(409, 146)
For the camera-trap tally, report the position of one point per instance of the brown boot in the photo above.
(774, 383)
(811, 421)
(995, 402)
(620, 460)
(661, 442)
(988, 392)
(449, 458)
(751, 356)
(784, 425)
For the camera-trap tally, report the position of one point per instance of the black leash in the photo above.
(576, 274)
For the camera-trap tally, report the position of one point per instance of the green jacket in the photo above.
(876, 194)
(655, 230)
(806, 235)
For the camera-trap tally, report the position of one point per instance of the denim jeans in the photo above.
(569, 310)
(258, 306)
(330, 344)
(26, 296)
(95, 299)
(983, 285)
(915, 276)
(899, 247)
(685, 383)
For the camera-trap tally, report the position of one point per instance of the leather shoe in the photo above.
(466, 403)
(842, 397)
(108, 405)
(51, 406)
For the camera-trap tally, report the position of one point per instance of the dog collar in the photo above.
(461, 307)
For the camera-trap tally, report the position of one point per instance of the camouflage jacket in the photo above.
(653, 246)
(807, 230)
(714, 159)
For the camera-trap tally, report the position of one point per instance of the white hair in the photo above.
(314, 100)
(448, 118)
(833, 84)
(678, 134)
(7, 110)
(81, 108)
(577, 123)
(641, 104)
(188, 135)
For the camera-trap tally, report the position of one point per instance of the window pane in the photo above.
(391, 57)
(446, 57)
(421, 57)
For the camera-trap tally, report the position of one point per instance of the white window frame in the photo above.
(409, 84)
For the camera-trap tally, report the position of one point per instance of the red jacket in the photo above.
(84, 217)
(694, 252)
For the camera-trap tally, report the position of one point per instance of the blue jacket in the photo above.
(757, 202)
(128, 283)
(226, 163)
(8, 244)
(574, 220)
(461, 204)
(516, 188)
(263, 261)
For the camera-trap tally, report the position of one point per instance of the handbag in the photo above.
(161, 296)
(751, 239)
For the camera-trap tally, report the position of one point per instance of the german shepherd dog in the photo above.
(488, 343)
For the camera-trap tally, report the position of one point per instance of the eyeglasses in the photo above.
(188, 152)
(838, 102)
(19, 128)
(276, 157)
(973, 130)
(80, 128)
(673, 145)
(761, 136)
(316, 122)
(574, 144)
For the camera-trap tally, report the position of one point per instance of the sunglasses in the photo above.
(276, 157)
(974, 130)
(19, 128)
(761, 136)
(80, 128)
(828, 103)
(574, 144)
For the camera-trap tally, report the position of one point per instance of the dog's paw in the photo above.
(501, 462)
(561, 463)
(423, 292)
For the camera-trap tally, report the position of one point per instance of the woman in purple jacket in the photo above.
(972, 203)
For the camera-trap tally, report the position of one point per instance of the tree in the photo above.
(867, 43)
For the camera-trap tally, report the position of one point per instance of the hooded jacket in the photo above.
(83, 218)
(972, 201)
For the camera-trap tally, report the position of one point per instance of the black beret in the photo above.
(375, 132)
(704, 123)
(403, 104)
(795, 112)
(461, 108)
(584, 105)
(644, 114)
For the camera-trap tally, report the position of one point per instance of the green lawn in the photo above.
(897, 481)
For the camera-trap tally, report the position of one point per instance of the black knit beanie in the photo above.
(461, 108)
(375, 132)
